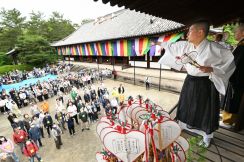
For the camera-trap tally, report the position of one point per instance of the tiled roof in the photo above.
(121, 24)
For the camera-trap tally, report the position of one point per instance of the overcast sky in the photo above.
(75, 10)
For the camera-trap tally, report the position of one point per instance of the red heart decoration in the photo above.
(126, 147)
(170, 131)
(105, 131)
(102, 125)
(138, 114)
(181, 145)
(134, 111)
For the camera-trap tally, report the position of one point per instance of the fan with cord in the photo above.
(188, 58)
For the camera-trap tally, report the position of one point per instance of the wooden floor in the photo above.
(226, 146)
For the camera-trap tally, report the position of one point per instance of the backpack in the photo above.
(30, 149)
(49, 122)
(83, 116)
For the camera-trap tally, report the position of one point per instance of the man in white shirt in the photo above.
(22, 97)
(208, 72)
(114, 105)
(9, 104)
(147, 82)
(72, 110)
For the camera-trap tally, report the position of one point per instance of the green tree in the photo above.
(11, 27)
(4, 59)
(58, 27)
(33, 37)
(35, 50)
(39, 60)
(32, 44)
(229, 28)
(37, 25)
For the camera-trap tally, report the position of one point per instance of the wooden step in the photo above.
(231, 134)
(221, 149)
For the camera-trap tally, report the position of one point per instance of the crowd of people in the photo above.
(78, 105)
(18, 76)
(17, 98)
(14, 99)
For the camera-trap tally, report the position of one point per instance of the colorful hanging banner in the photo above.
(155, 50)
(170, 38)
(119, 48)
(59, 51)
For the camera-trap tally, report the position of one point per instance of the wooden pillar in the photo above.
(148, 60)
(111, 60)
(126, 61)
(99, 58)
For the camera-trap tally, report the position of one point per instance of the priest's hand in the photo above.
(206, 69)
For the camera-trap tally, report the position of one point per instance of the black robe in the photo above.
(199, 104)
(233, 102)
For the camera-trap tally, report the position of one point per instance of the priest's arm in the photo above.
(172, 50)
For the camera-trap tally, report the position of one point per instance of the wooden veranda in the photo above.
(226, 146)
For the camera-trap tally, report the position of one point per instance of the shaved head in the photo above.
(202, 25)
(198, 31)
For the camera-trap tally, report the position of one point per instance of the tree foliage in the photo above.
(32, 44)
(58, 27)
(37, 24)
(32, 37)
(229, 28)
(11, 27)
(4, 59)
(38, 60)
(34, 50)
